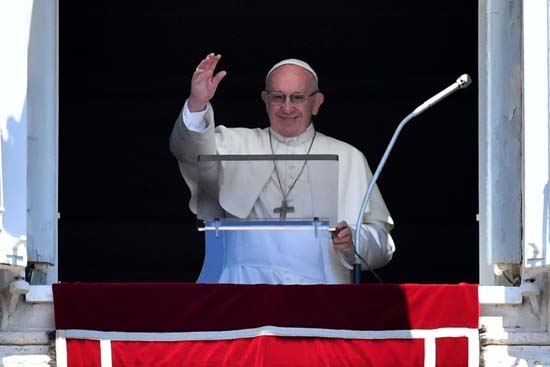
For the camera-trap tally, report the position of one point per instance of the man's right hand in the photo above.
(204, 83)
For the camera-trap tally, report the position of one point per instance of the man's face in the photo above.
(287, 118)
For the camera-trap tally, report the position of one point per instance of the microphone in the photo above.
(462, 82)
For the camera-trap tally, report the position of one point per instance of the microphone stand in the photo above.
(462, 82)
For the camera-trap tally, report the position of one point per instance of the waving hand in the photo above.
(204, 82)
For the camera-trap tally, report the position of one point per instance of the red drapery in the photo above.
(180, 324)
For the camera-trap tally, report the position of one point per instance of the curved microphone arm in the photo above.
(462, 82)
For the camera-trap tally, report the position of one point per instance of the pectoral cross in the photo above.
(283, 209)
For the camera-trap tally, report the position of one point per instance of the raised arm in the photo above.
(192, 136)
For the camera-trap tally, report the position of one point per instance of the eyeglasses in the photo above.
(278, 98)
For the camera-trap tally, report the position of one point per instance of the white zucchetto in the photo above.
(296, 62)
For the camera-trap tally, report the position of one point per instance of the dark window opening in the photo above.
(124, 75)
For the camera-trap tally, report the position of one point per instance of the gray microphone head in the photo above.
(463, 81)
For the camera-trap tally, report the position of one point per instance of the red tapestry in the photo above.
(182, 324)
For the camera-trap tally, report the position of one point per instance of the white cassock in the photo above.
(289, 257)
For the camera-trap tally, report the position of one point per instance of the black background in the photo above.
(125, 69)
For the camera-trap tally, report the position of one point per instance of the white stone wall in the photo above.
(29, 337)
(517, 334)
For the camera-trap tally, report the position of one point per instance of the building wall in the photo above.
(515, 326)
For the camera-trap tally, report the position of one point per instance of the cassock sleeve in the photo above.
(186, 145)
(376, 245)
